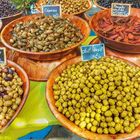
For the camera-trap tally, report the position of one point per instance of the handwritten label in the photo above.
(33, 9)
(52, 10)
(2, 56)
(119, 9)
(95, 51)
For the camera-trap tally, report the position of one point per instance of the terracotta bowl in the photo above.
(22, 74)
(96, 3)
(39, 2)
(116, 45)
(69, 124)
(79, 22)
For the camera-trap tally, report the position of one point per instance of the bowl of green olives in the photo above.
(69, 7)
(96, 99)
(14, 88)
(41, 37)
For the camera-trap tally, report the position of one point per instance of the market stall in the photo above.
(71, 64)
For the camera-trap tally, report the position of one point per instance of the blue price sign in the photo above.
(33, 9)
(52, 10)
(95, 51)
(2, 56)
(119, 9)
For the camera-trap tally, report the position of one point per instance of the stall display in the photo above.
(118, 33)
(69, 7)
(103, 4)
(99, 98)
(14, 90)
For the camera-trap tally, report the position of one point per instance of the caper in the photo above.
(54, 34)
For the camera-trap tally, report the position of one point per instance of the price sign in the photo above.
(119, 9)
(2, 56)
(52, 10)
(95, 51)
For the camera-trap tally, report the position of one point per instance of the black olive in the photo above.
(10, 71)
(2, 94)
(8, 78)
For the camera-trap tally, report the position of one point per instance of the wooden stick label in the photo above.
(119, 9)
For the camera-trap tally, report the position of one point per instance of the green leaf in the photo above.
(23, 4)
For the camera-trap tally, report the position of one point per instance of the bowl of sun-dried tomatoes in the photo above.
(118, 33)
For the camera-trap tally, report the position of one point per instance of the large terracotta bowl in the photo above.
(22, 74)
(79, 22)
(40, 2)
(116, 45)
(69, 124)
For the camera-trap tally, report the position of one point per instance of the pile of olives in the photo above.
(72, 6)
(45, 34)
(7, 8)
(10, 93)
(107, 3)
(102, 96)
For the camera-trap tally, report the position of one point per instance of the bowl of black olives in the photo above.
(96, 99)
(103, 4)
(8, 11)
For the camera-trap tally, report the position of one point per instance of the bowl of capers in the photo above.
(41, 37)
(98, 98)
(69, 7)
(14, 88)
